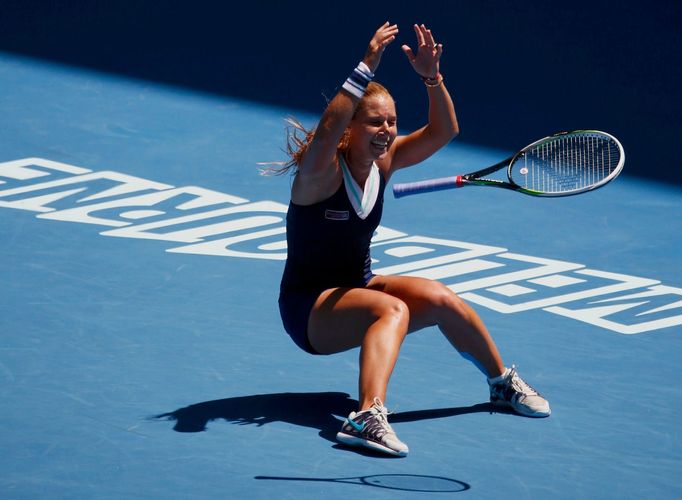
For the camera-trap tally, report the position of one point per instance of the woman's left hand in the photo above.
(426, 61)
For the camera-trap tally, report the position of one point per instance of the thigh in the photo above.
(294, 308)
(341, 316)
(425, 298)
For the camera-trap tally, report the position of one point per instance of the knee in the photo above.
(395, 311)
(446, 302)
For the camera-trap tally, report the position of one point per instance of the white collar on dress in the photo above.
(363, 200)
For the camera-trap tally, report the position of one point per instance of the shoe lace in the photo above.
(381, 414)
(521, 385)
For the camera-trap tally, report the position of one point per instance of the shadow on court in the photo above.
(399, 482)
(317, 410)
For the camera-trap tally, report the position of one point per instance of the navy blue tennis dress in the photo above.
(328, 247)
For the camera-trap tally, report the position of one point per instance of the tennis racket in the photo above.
(562, 164)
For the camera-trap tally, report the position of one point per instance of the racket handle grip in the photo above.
(408, 188)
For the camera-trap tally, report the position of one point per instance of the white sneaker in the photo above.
(370, 428)
(511, 390)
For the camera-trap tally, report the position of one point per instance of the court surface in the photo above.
(142, 354)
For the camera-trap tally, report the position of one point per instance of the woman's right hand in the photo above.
(381, 39)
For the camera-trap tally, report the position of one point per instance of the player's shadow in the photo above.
(323, 411)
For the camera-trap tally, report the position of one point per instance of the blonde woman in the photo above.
(330, 301)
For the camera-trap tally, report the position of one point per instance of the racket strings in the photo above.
(567, 163)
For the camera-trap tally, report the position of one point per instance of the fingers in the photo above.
(408, 52)
(424, 59)
(425, 38)
(385, 35)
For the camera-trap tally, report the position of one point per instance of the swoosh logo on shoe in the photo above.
(356, 426)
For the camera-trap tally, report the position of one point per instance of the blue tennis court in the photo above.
(143, 354)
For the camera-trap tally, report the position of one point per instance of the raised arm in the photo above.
(318, 163)
(442, 126)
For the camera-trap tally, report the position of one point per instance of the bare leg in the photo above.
(377, 322)
(432, 303)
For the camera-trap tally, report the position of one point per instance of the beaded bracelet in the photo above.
(433, 82)
(357, 81)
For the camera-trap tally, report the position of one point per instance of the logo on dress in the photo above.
(336, 214)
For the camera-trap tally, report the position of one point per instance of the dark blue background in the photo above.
(518, 70)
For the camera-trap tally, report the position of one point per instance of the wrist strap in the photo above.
(357, 81)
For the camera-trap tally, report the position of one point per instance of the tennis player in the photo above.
(330, 300)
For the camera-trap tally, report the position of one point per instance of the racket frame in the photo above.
(477, 178)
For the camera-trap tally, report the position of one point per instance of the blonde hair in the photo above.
(299, 138)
